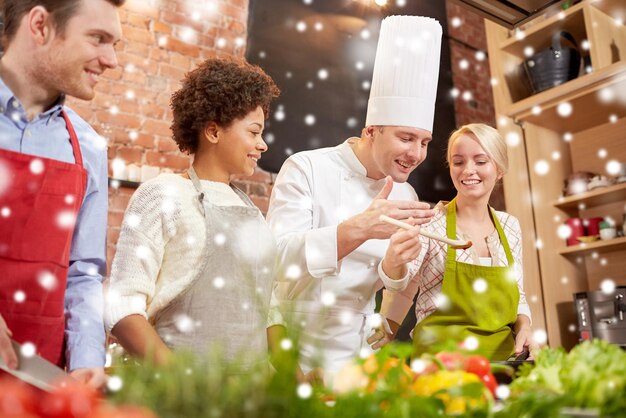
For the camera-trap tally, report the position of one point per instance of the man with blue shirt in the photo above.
(53, 182)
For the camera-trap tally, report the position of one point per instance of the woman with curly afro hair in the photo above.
(195, 261)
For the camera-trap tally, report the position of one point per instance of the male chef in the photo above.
(325, 204)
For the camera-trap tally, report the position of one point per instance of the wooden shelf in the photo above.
(583, 94)
(614, 8)
(600, 246)
(539, 36)
(597, 197)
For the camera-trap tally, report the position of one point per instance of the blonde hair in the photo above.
(488, 138)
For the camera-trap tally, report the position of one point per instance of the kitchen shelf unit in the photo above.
(546, 146)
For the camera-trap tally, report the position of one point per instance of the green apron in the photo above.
(488, 316)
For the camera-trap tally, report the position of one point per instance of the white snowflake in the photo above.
(564, 231)
(607, 286)
(219, 239)
(5, 212)
(286, 344)
(293, 272)
(66, 219)
(540, 336)
(328, 298)
(503, 392)
(542, 167)
(480, 285)
(19, 296)
(184, 323)
(564, 109)
(513, 139)
(219, 282)
(304, 390)
(28, 349)
(36, 166)
(142, 252)
(114, 383)
(47, 280)
(309, 120)
(346, 317)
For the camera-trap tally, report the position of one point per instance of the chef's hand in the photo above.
(92, 377)
(410, 211)
(382, 334)
(404, 247)
(8, 354)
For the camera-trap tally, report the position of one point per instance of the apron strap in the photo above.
(503, 240)
(451, 232)
(196, 184)
(73, 139)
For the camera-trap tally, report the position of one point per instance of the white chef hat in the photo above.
(406, 71)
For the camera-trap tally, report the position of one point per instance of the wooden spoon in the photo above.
(454, 243)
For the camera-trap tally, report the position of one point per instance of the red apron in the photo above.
(37, 215)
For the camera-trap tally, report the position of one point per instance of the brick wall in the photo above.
(467, 37)
(163, 39)
(471, 76)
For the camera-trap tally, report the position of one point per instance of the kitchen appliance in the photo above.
(509, 13)
(602, 315)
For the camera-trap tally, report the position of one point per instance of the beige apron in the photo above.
(225, 308)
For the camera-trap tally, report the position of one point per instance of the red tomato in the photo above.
(452, 361)
(490, 382)
(478, 365)
(72, 400)
(16, 398)
(124, 411)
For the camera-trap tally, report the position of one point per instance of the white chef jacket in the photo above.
(314, 192)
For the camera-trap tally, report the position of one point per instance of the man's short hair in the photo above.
(12, 12)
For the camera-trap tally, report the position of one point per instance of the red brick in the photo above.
(138, 48)
(153, 111)
(140, 21)
(138, 35)
(118, 203)
(142, 7)
(120, 119)
(130, 155)
(182, 19)
(143, 140)
(167, 145)
(171, 72)
(175, 45)
(161, 27)
(115, 218)
(177, 162)
(156, 127)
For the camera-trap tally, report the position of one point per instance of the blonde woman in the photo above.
(477, 292)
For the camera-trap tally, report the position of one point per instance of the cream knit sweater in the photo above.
(162, 240)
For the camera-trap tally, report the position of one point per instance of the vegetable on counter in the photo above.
(592, 376)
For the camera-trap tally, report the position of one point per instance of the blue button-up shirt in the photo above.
(47, 136)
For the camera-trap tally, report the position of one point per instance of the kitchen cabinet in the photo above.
(579, 125)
